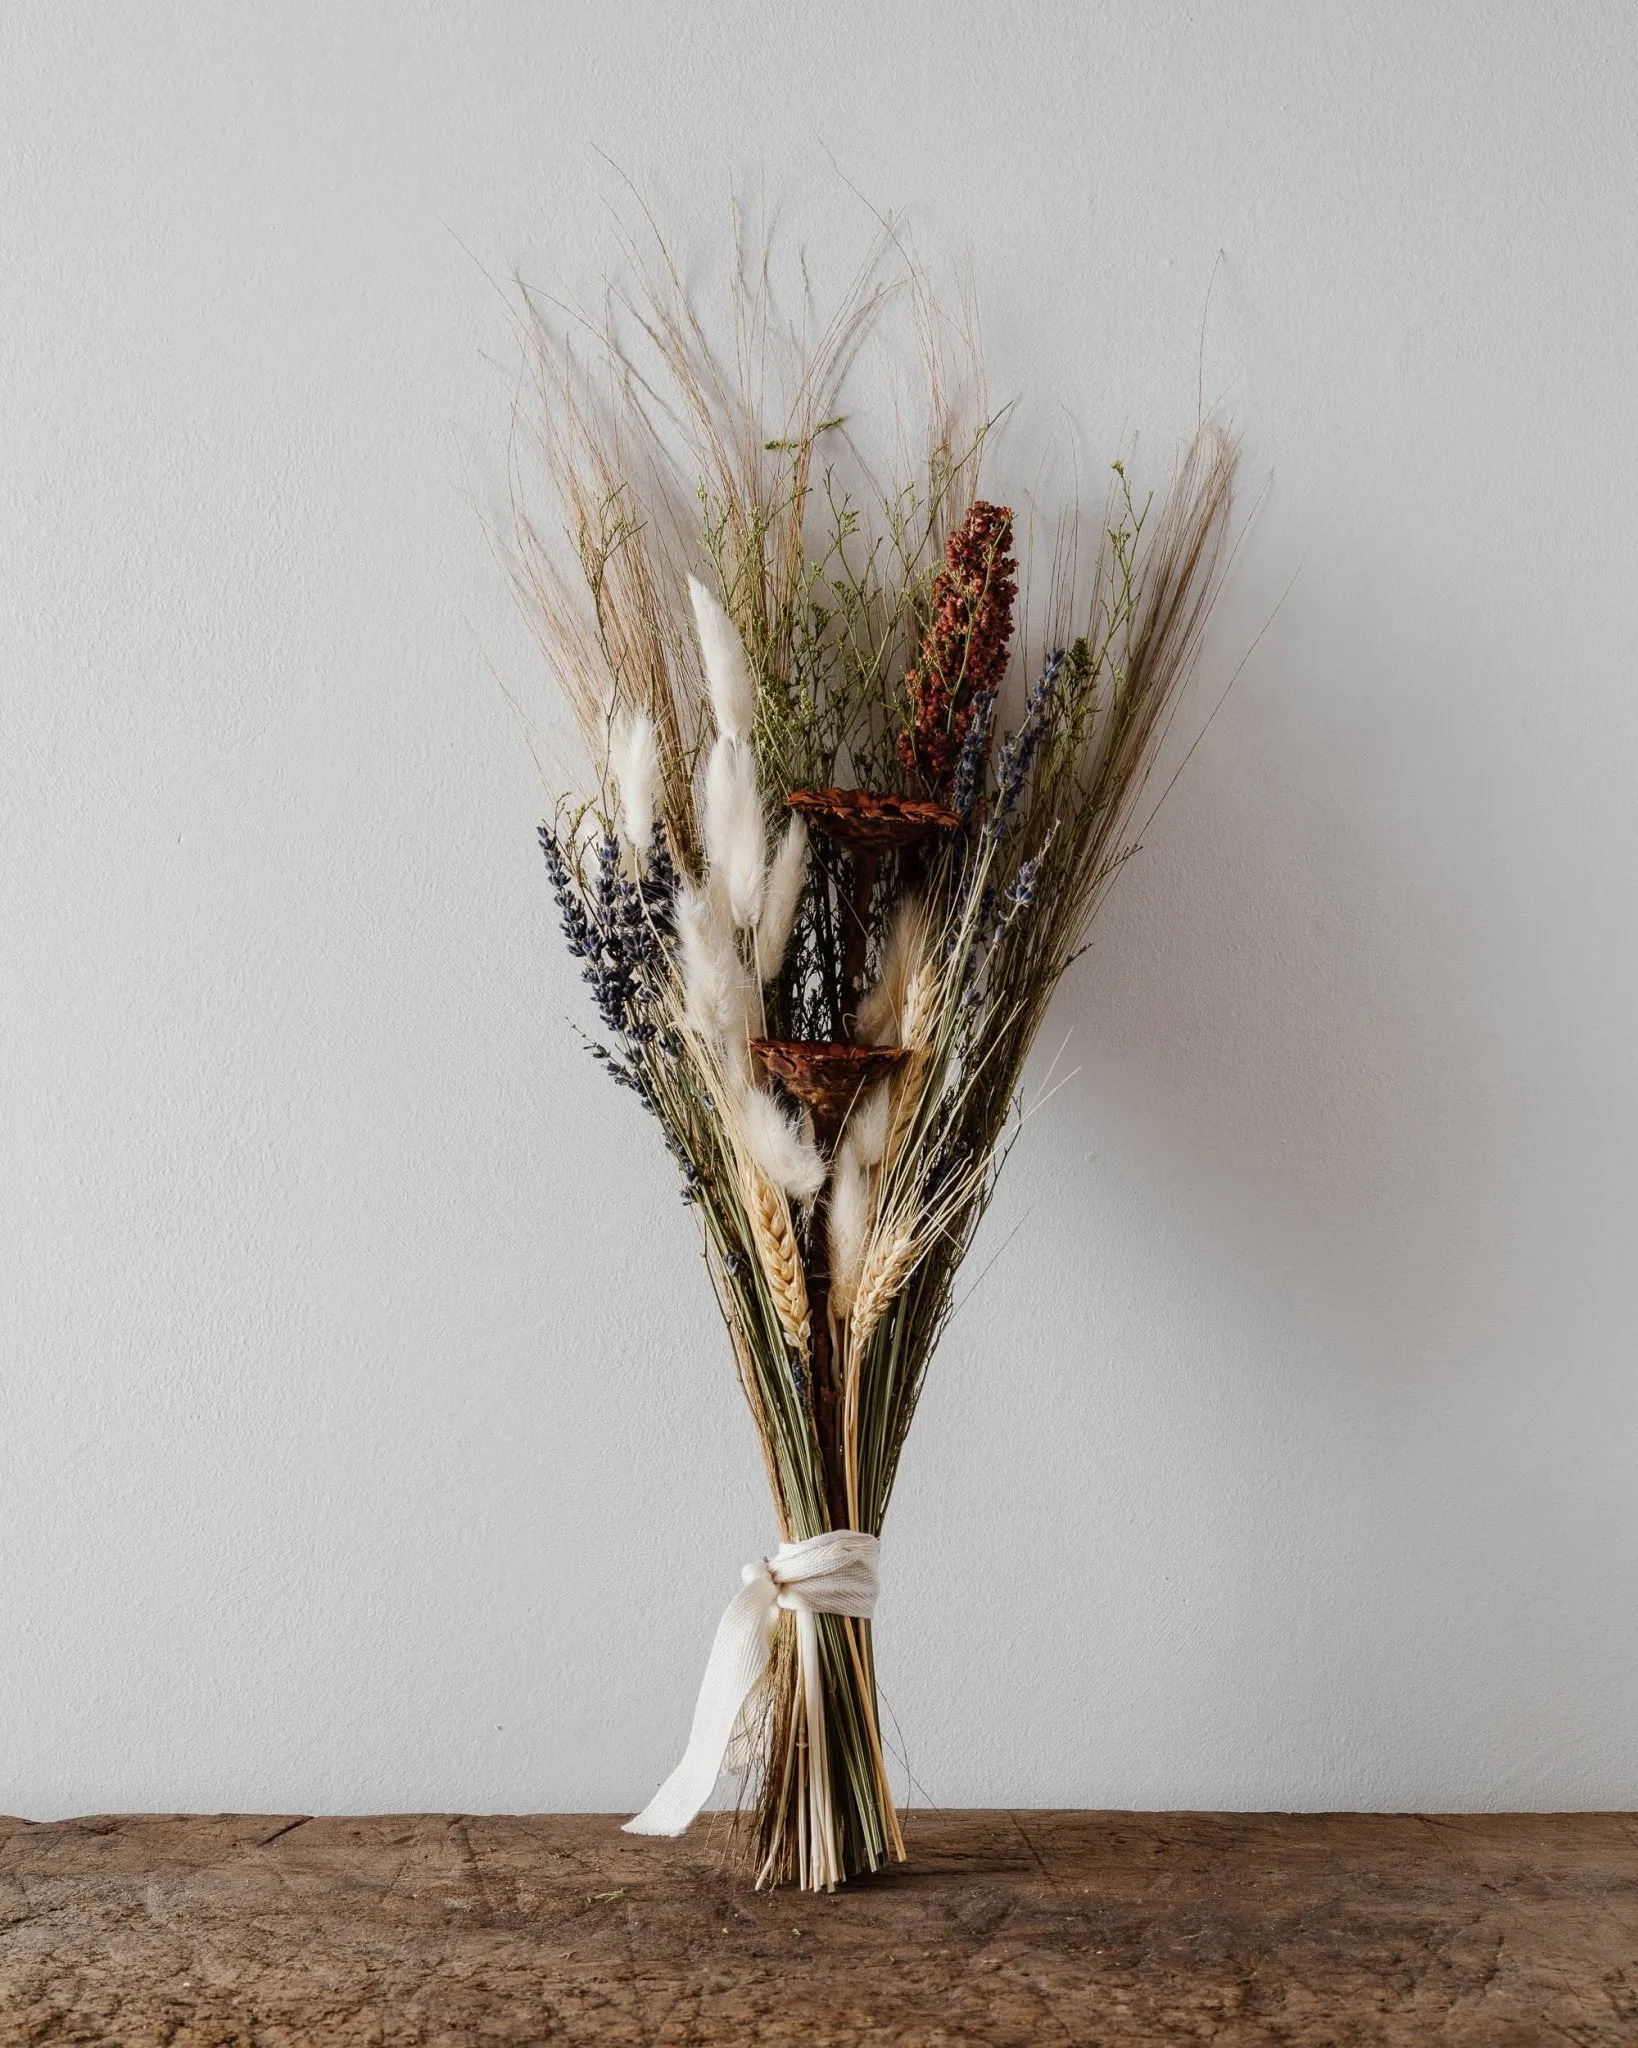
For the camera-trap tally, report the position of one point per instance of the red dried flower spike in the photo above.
(964, 650)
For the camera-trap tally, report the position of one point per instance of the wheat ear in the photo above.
(889, 1259)
(922, 1002)
(770, 1215)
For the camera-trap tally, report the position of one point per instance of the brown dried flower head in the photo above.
(964, 650)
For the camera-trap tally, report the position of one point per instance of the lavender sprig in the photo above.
(1022, 892)
(971, 762)
(577, 929)
(618, 932)
(658, 884)
(1019, 749)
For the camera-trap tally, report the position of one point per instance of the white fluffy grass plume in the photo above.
(868, 1125)
(881, 1012)
(781, 1148)
(634, 762)
(715, 984)
(727, 672)
(849, 1226)
(732, 826)
(787, 874)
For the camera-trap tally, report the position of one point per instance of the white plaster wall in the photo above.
(367, 1439)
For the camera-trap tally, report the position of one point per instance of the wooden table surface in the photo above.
(1031, 1928)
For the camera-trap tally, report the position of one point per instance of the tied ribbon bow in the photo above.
(830, 1574)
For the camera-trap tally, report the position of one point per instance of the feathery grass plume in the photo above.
(715, 983)
(848, 1222)
(787, 877)
(634, 762)
(599, 578)
(779, 1145)
(881, 1010)
(732, 826)
(868, 1123)
(727, 673)
(740, 607)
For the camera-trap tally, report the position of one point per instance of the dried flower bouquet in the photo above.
(822, 892)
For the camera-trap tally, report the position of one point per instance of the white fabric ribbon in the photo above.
(830, 1574)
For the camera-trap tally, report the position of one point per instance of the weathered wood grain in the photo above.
(1026, 1928)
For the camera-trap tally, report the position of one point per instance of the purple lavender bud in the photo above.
(973, 759)
(1022, 892)
(1019, 749)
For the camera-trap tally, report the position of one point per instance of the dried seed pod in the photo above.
(825, 1077)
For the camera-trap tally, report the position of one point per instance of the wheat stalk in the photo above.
(923, 998)
(770, 1218)
(889, 1260)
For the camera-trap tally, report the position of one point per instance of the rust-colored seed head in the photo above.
(964, 651)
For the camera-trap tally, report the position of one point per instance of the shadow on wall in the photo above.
(1279, 1195)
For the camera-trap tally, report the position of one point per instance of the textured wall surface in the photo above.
(367, 1437)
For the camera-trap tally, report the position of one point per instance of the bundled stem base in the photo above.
(825, 1812)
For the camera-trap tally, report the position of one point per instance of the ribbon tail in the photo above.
(739, 1657)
